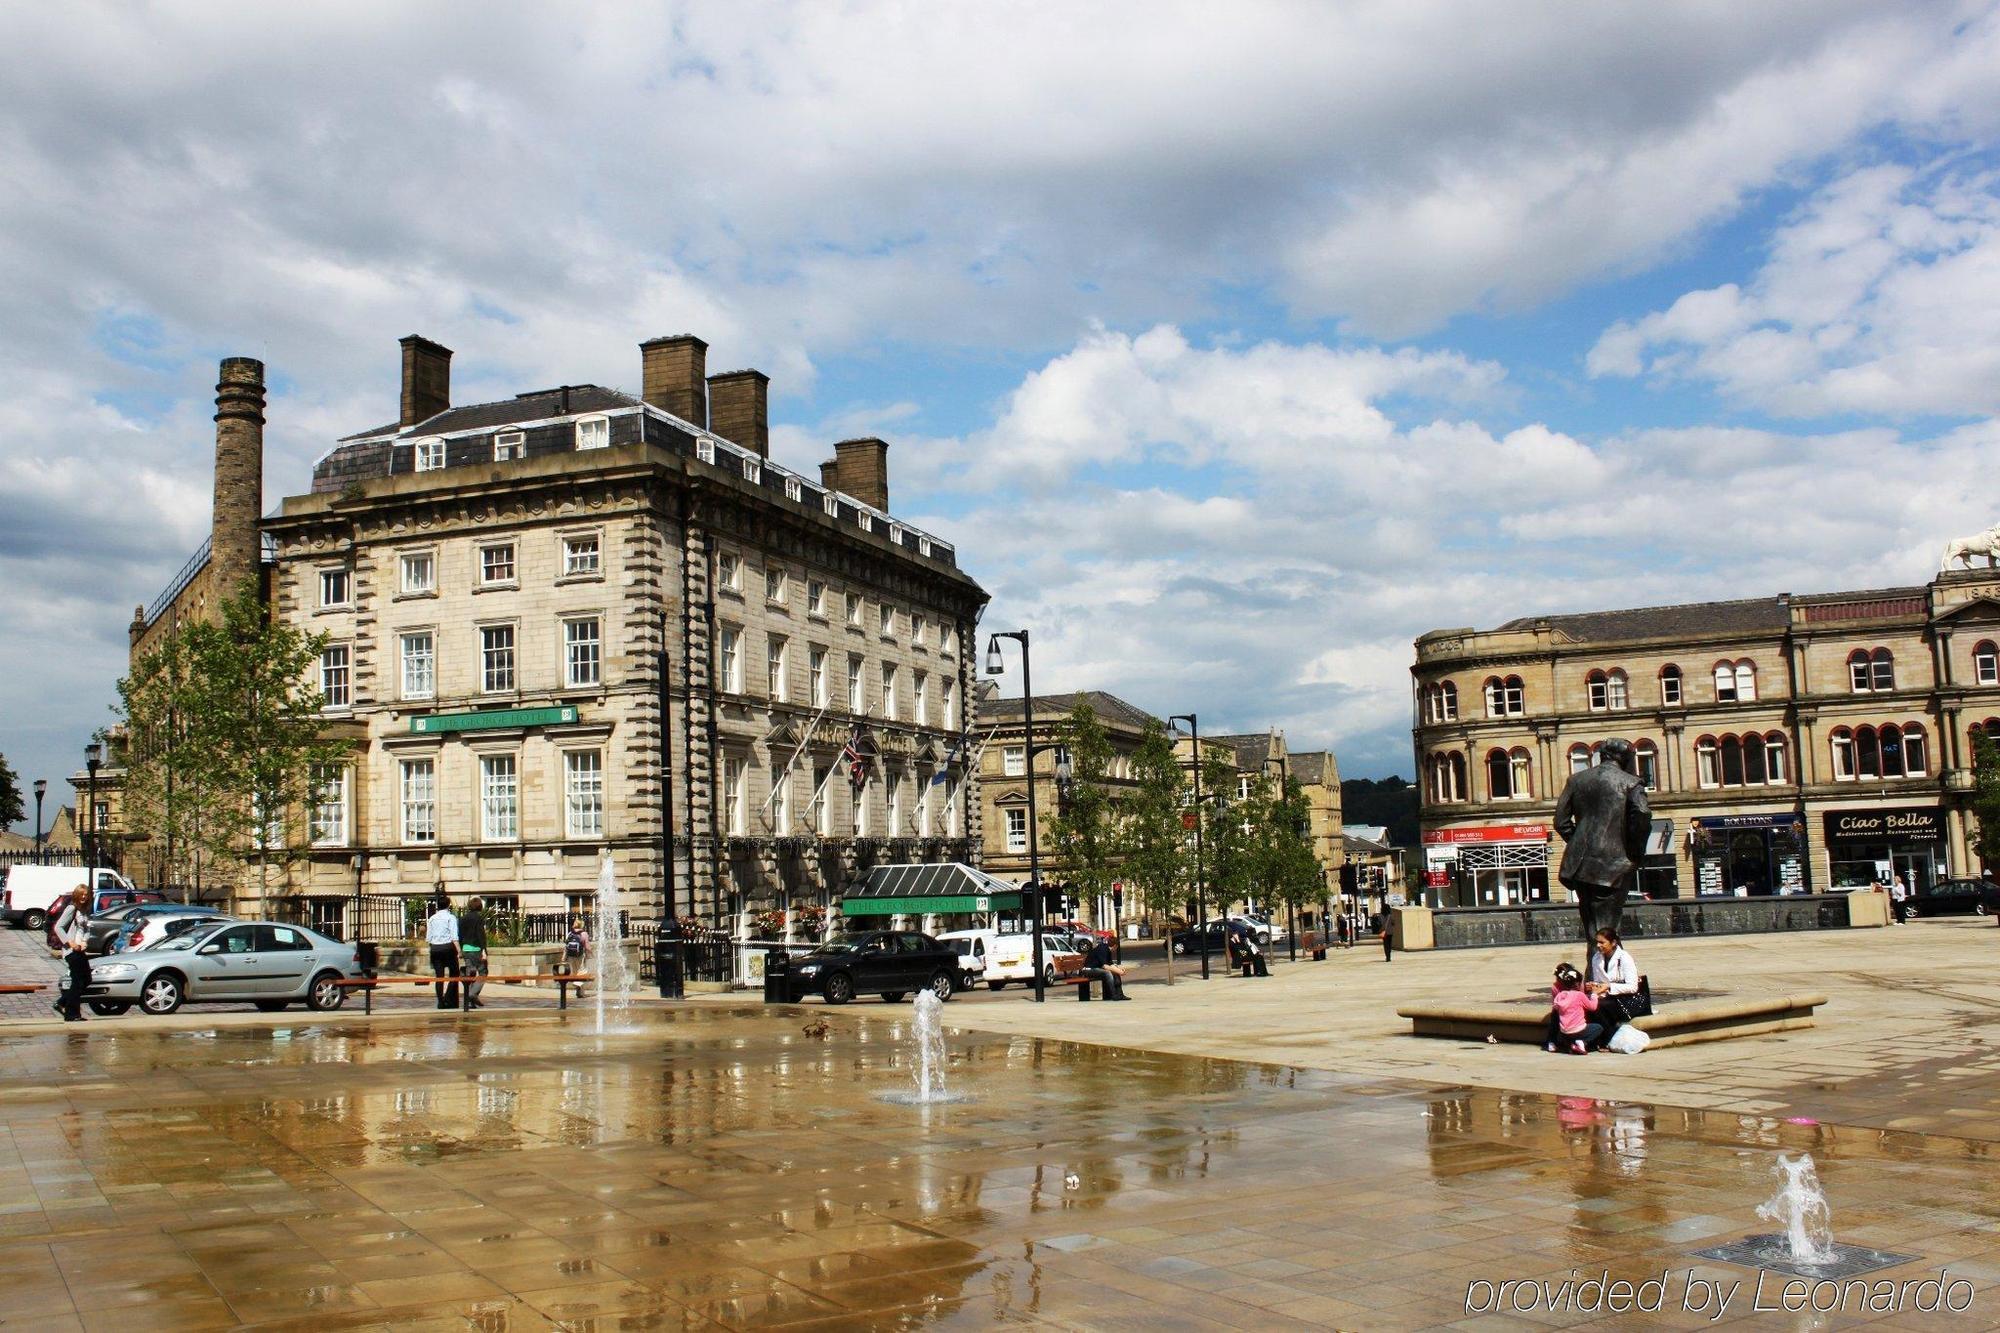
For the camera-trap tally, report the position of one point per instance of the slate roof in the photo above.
(1755, 615)
(1314, 766)
(535, 406)
(1252, 751)
(999, 710)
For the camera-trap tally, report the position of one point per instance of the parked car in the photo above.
(1081, 928)
(1951, 896)
(119, 927)
(1010, 955)
(27, 891)
(1200, 941)
(268, 964)
(1260, 928)
(888, 963)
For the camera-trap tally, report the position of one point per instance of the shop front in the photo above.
(1496, 865)
(1749, 856)
(1867, 846)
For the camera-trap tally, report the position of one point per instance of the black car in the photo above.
(1199, 941)
(1949, 896)
(888, 963)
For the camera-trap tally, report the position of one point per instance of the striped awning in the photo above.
(949, 886)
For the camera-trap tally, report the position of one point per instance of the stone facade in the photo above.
(1774, 734)
(505, 585)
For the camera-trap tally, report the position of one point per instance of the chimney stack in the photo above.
(239, 475)
(864, 470)
(426, 380)
(829, 474)
(674, 375)
(739, 409)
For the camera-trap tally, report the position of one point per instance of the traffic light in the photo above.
(1348, 882)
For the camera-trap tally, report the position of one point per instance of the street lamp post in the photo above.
(994, 667)
(1200, 893)
(41, 790)
(93, 757)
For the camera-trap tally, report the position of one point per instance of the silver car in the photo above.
(226, 962)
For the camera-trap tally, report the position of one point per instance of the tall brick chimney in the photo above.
(426, 380)
(829, 474)
(674, 376)
(864, 469)
(239, 474)
(739, 409)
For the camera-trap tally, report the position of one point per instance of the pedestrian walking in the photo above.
(1899, 900)
(472, 951)
(72, 931)
(442, 933)
(1341, 929)
(1388, 942)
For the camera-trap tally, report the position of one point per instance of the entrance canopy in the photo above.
(950, 886)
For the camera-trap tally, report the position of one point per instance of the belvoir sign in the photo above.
(1912, 824)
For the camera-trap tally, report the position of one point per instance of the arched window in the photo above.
(1882, 667)
(1598, 686)
(1842, 742)
(1620, 692)
(1990, 729)
(1867, 753)
(1857, 671)
(1499, 776)
(1746, 681)
(1871, 672)
(1448, 702)
(1706, 770)
(1890, 738)
(1648, 759)
(1916, 750)
(1447, 777)
(1670, 685)
(1455, 765)
(1732, 761)
(1515, 695)
(1753, 760)
(1579, 757)
(1725, 682)
(1774, 756)
(1496, 697)
(1986, 662)
(1523, 778)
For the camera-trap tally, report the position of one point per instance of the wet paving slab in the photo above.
(719, 1166)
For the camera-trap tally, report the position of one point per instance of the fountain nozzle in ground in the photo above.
(1800, 1207)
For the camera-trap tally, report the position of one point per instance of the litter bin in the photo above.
(777, 970)
(667, 962)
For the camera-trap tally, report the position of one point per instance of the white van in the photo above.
(27, 891)
(1001, 958)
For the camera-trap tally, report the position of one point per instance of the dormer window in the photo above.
(867, 521)
(705, 450)
(923, 546)
(896, 533)
(793, 490)
(429, 454)
(593, 432)
(753, 471)
(510, 444)
(832, 503)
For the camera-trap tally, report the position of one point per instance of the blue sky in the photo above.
(1234, 348)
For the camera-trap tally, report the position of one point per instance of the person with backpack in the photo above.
(576, 948)
(472, 951)
(69, 926)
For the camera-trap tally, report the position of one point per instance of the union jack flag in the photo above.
(855, 756)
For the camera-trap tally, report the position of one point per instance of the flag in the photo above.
(856, 760)
(943, 774)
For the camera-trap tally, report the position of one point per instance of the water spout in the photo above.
(930, 1049)
(1800, 1207)
(614, 974)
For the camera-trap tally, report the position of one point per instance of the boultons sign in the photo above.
(1914, 824)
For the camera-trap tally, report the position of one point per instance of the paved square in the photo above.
(719, 1166)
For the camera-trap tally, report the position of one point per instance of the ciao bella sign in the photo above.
(1913, 825)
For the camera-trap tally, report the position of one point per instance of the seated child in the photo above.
(1572, 1031)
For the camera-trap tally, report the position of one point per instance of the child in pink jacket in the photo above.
(1574, 1031)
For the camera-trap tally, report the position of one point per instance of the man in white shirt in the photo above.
(441, 930)
(72, 929)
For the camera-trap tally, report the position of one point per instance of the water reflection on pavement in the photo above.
(722, 1166)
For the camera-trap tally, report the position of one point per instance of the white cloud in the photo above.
(1882, 296)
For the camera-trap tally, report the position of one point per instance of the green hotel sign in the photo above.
(499, 719)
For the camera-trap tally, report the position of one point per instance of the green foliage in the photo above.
(1286, 870)
(1390, 802)
(12, 811)
(1985, 801)
(1228, 868)
(221, 724)
(1152, 844)
(1084, 833)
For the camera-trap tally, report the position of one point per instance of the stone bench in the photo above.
(1670, 1025)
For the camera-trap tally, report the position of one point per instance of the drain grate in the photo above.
(1773, 1253)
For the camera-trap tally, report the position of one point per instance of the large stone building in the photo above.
(577, 621)
(1789, 744)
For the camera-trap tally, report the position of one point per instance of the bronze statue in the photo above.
(1604, 821)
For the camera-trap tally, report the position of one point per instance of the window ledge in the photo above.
(430, 596)
(513, 585)
(565, 580)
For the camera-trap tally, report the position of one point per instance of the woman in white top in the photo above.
(1613, 976)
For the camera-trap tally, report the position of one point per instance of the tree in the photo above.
(1083, 834)
(1986, 800)
(224, 738)
(1152, 841)
(1228, 871)
(11, 809)
(1284, 867)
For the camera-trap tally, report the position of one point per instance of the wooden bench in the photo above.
(22, 988)
(562, 980)
(1669, 1025)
